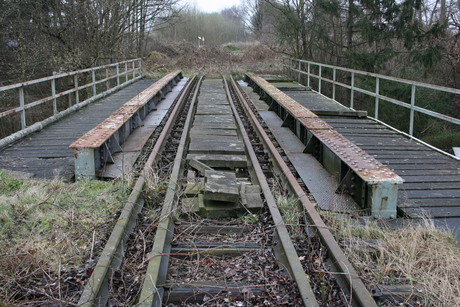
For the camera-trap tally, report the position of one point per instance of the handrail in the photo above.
(295, 65)
(101, 81)
(66, 74)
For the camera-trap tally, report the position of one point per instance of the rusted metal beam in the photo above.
(347, 274)
(98, 145)
(372, 185)
(96, 291)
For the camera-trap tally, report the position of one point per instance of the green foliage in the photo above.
(435, 132)
(154, 193)
(444, 141)
(49, 228)
(429, 57)
(250, 218)
(155, 56)
(8, 185)
(291, 212)
(43, 206)
(232, 48)
(369, 61)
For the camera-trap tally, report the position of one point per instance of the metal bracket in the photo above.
(288, 121)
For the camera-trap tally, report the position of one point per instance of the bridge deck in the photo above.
(432, 180)
(46, 152)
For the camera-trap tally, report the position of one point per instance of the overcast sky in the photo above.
(210, 6)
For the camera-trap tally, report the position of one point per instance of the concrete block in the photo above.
(219, 160)
(221, 186)
(199, 166)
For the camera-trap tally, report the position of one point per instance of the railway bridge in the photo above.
(231, 141)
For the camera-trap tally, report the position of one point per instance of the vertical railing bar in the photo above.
(118, 74)
(319, 79)
(333, 83)
(308, 75)
(77, 93)
(352, 92)
(107, 83)
(69, 96)
(93, 77)
(126, 71)
(412, 111)
(134, 70)
(300, 67)
(53, 94)
(377, 93)
(23, 111)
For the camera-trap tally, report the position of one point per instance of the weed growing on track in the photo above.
(50, 233)
(292, 214)
(419, 255)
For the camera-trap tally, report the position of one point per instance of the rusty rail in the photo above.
(96, 290)
(372, 185)
(346, 274)
(98, 145)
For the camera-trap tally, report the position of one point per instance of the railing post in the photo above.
(377, 92)
(352, 92)
(412, 104)
(53, 94)
(308, 75)
(300, 67)
(319, 79)
(126, 71)
(118, 74)
(134, 69)
(77, 93)
(107, 83)
(21, 104)
(333, 83)
(93, 78)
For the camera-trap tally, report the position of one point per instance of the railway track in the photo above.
(220, 238)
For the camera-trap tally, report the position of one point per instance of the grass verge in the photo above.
(50, 233)
(419, 255)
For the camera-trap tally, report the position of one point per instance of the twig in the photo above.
(92, 244)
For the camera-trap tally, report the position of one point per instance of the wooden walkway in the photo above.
(45, 153)
(432, 180)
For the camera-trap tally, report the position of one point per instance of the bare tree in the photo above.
(40, 36)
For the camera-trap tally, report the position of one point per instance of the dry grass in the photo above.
(419, 255)
(292, 215)
(212, 61)
(49, 231)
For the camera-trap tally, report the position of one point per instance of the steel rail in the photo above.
(153, 290)
(295, 267)
(152, 294)
(346, 274)
(96, 290)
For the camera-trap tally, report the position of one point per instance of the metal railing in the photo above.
(316, 71)
(66, 92)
